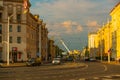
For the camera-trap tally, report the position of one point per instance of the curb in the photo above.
(114, 63)
(63, 66)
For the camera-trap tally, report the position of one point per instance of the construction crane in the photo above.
(65, 46)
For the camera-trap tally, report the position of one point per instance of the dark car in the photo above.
(87, 58)
(70, 59)
(33, 62)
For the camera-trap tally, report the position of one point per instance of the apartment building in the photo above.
(24, 31)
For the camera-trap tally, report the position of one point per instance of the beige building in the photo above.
(44, 42)
(24, 31)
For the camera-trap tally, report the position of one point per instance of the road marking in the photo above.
(105, 67)
(107, 79)
(82, 79)
(96, 78)
(117, 75)
(107, 76)
(86, 66)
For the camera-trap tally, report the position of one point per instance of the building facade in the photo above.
(51, 49)
(44, 42)
(115, 15)
(24, 32)
(92, 44)
(109, 36)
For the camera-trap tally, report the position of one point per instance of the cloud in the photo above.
(76, 10)
(79, 28)
(92, 24)
(64, 28)
(72, 27)
(63, 9)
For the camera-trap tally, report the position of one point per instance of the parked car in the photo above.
(56, 61)
(33, 62)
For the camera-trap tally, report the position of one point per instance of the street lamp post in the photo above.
(8, 61)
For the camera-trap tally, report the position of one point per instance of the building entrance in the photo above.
(14, 56)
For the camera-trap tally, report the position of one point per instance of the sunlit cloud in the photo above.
(79, 28)
(72, 27)
(92, 24)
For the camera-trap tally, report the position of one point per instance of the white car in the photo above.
(56, 61)
(92, 59)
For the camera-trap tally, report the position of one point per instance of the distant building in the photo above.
(51, 49)
(92, 44)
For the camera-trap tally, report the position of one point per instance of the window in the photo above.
(10, 39)
(18, 28)
(0, 39)
(0, 29)
(10, 28)
(18, 39)
(18, 17)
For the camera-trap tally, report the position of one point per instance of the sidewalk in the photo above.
(111, 62)
(4, 65)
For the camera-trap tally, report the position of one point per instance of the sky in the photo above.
(72, 20)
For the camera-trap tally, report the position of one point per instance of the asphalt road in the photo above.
(91, 71)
